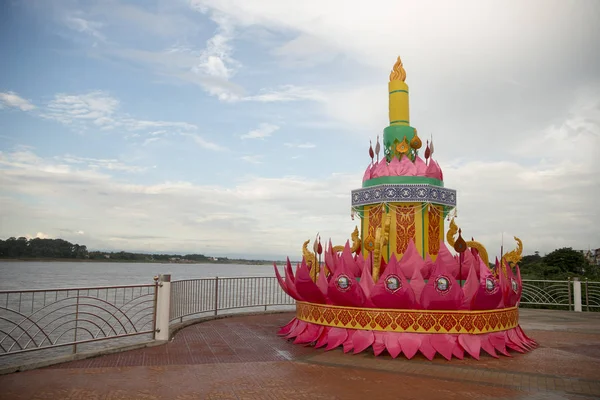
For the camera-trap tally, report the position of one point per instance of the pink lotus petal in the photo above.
(410, 343)
(292, 288)
(434, 170)
(289, 273)
(366, 281)
(498, 341)
(402, 297)
(350, 261)
(470, 288)
(378, 343)
(306, 287)
(442, 291)
(532, 343)
(348, 343)
(487, 299)
(512, 297)
(417, 283)
(285, 330)
(514, 338)
(471, 344)
(457, 350)
(336, 337)
(322, 341)
(407, 168)
(468, 261)
(510, 344)
(421, 167)
(322, 281)
(392, 344)
(351, 295)
(411, 260)
(487, 346)
(381, 169)
(361, 340)
(427, 267)
(443, 344)
(520, 283)
(394, 167)
(300, 327)
(281, 281)
(367, 174)
(310, 334)
(445, 258)
(426, 348)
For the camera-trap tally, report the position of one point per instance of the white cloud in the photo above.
(99, 110)
(80, 24)
(255, 159)
(95, 107)
(548, 205)
(264, 130)
(216, 59)
(99, 164)
(306, 145)
(11, 99)
(286, 93)
(205, 144)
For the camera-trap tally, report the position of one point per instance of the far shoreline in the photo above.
(108, 260)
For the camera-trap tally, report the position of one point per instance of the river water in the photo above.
(22, 275)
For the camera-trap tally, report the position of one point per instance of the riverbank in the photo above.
(109, 260)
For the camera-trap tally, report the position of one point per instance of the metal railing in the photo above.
(591, 295)
(194, 297)
(51, 319)
(556, 294)
(43, 319)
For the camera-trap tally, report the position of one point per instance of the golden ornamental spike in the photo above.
(398, 73)
(415, 142)
(403, 146)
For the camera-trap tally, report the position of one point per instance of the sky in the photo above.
(239, 128)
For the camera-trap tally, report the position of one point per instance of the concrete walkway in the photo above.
(242, 358)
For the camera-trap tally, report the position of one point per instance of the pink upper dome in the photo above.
(404, 167)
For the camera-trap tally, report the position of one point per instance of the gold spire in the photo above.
(398, 73)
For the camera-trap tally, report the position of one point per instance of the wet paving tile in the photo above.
(243, 358)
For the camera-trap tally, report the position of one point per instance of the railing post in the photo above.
(587, 297)
(569, 289)
(76, 323)
(577, 294)
(163, 300)
(216, 295)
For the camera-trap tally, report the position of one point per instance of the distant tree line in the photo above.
(51, 249)
(61, 249)
(560, 264)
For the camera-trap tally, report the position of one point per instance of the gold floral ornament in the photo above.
(398, 73)
(370, 243)
(403, 146)
(415, 142)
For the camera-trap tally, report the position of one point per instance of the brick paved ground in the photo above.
(242, 358)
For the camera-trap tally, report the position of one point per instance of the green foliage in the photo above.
(560, 264)
(59, 249)
(41, 248)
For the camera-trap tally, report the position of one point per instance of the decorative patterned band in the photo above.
(396, 193)
(416, 321)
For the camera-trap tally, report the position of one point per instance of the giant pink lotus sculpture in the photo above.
(415, 306)
(399, 288)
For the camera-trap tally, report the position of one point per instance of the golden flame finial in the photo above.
(398, 73)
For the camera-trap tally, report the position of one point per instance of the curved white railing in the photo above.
(39, 320)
